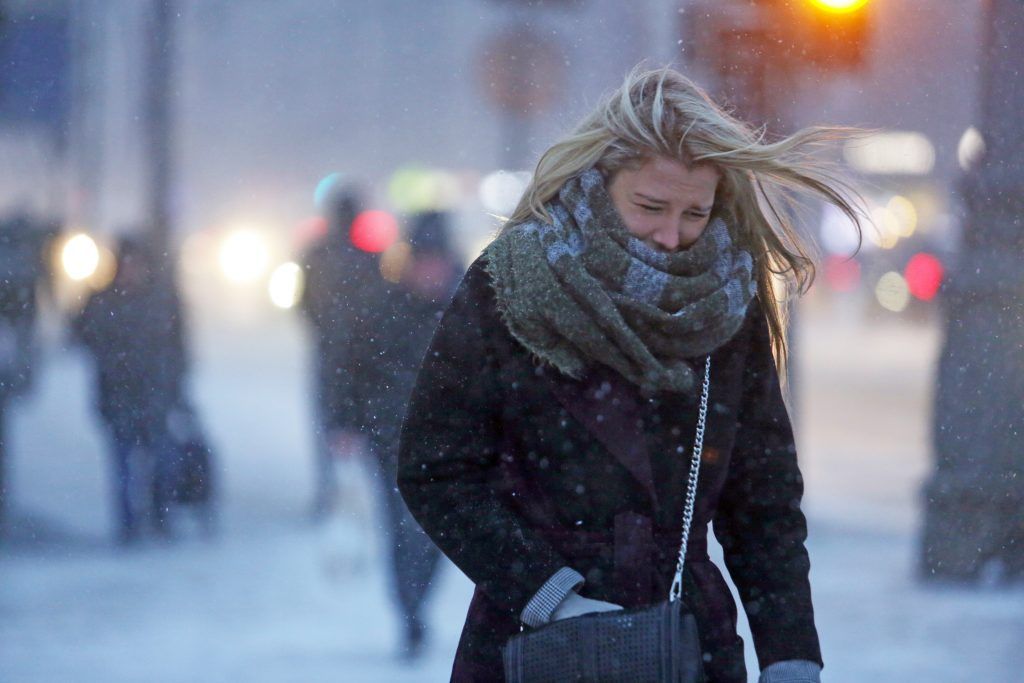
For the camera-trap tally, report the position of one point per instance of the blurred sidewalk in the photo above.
(275, 600)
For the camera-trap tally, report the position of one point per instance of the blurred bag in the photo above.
(193, 470)
(194, 480)
(657, 644)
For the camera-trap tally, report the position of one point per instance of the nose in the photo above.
(666, 237)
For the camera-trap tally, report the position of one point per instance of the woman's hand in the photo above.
(574, 605)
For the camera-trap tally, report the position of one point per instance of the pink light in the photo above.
(842, 274)
(374, 231)
(924, 276)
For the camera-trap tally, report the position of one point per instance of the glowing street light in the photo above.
(243, 256)
(286, 283)
(80, 257)
(839, 6)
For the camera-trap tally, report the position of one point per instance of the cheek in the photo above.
(639, 225)
(691, 231)
(696, 228)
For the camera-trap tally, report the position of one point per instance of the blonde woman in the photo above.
(546, 448)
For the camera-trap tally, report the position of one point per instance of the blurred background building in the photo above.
(426, 101)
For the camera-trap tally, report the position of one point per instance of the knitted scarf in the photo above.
(583, 290)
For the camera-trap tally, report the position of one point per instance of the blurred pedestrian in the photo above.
(385, 355)
(342, 283)
(614, 342)
(23, 276)
(134, 331)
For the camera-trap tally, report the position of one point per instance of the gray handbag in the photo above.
(657, 644)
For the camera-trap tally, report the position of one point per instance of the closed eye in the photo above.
(650, 209)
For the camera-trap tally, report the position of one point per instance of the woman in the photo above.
(546, 447)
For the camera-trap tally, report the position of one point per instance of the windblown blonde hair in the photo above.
(762, 184)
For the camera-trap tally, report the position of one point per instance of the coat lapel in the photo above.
(603, 403)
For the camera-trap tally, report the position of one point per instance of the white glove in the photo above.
(574, 605)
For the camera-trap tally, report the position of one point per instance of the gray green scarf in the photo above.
(583, 289)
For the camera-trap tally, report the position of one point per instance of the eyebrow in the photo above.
(662, 202)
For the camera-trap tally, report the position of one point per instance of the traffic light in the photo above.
(832, 35)
(838, 31)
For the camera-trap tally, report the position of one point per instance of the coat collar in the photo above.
(606, 405)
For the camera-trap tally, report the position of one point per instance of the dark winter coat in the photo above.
(516, 471)
(342, 287)
(381, 363)
(136, 337)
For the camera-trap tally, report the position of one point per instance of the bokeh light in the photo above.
(324, 188)
(884, 230)
(80, 257)
(394, 260)
(892, 293)
(839, 6)
(310, 230)
(905, 214)
(924, 276)
(286, 284)
(243, 256)
(500, 191)
(374, 231)
(838, 232)
(842, 274)
(970, 149)
(891, 153)
(414, 189)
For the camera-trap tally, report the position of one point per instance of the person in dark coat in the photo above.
(547, 444)
(342, 284)
(23, 277)
(383, 359)
(134, 331)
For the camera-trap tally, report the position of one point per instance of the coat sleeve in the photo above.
(449, 454)
(759, 523)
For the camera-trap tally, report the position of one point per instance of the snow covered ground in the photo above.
(276, 599)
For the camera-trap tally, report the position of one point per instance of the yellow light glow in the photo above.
(905, 213)
(394, 260)
(106, 269)
(412, 189)
(839, 6)
(884, 230)
(80, 257)
(286, 284)
(243, 256)
(891, 153)
(892, 292)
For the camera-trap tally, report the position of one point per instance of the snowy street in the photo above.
(276, 599)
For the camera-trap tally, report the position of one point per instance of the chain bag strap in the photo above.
(676, 591)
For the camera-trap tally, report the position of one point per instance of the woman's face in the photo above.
(664, 202)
